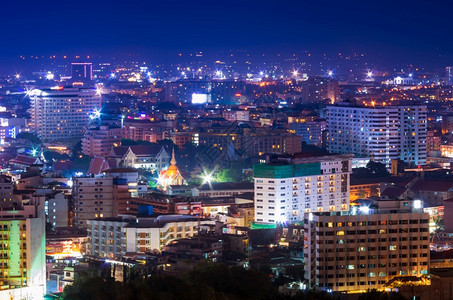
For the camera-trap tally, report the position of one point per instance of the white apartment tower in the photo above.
(288, 187)
(380, 133)
(62, 113)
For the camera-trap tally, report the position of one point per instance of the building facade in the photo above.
(286, 189)
(22, 253)
(100, 140)
(352, 252)
(60, 114)
(113, 237)
(382, 133)
(93, 198)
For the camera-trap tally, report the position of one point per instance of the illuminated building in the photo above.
(114, 237)
(227, 91)
(449, 75)
(236, 115)
(82, 72)
(366, 248)
(153, 158)
(93, 198)
(224, 189)
(6, 190)
(447, 123)
(100, 140)
(311, 132)
(288, 187)
(381, 133)
(57, 211)
(403, 80)
(446, 150)
(60, 114)
(181, 91)
(433, 141)
(317, 89)
(236, 141)
(141, 130)
(22, 252)
(171, 176)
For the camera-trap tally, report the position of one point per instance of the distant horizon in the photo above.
(28, 63)
(390, 32)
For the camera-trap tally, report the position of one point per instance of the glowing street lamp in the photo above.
(330, 73)
(295, 73)
(17, 76)
(369, 74)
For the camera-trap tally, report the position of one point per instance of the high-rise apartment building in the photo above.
(380, 133)
(366, 248)
(22, 252)
(59, 114)
(93, 198)
(289, 186)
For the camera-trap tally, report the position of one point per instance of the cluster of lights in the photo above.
(96, 114)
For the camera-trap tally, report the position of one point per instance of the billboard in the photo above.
(199, 98)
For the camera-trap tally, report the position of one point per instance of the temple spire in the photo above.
(173, 159)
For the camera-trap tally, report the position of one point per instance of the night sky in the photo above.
(413, 30)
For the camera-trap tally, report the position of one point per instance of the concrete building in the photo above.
(114, 237)
(311, 132)
(317, 89)
(362, 250)
(224, 189)
(57, 209)
(59, 114)
(100, 140)
(288, 187)
(227, 91)
(22, 252)
(93, 198)
(236, 115)
(433, 141)
(382, 133)
(447, 123)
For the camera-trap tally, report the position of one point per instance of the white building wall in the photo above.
(281, 200)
